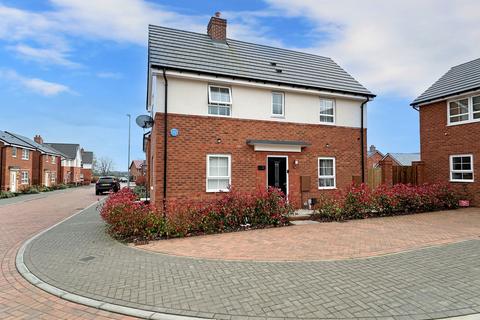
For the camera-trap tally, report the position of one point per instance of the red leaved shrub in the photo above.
(359, 202)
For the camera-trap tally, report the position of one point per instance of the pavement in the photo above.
(78, 257)
(330, 241)
(21, 218)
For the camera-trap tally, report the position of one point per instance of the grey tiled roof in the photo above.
(10, 139)
(87, 157)
(68, 149)
(462, 78)
(190, 51)
(404, 159)
(41, 147)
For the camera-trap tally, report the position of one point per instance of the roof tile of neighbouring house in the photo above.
(137, 163)
(87, 157)
(190, 51)
(68, 149)
(404, 159)
(11, 139)
(41, 147)
(462, 78)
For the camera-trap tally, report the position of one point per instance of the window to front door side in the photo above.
(461, 168)
(219, 101)
(326, 173)
(218, 173)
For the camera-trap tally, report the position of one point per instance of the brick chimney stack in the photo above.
(38, 139)
(217, 28)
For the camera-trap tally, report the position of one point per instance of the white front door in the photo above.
(47, 179)
(13, 181)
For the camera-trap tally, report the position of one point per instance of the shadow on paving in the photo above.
(79, 257)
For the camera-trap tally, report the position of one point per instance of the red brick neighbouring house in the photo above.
(450, 129)
(137, 169)
(256, 117)
(71, 164)
(374, 157)
(87, 166)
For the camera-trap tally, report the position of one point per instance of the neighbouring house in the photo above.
(138, 168)
(71, 164)
(16, 163)
(25, 162)
(401, 159)
(229, 113)
(373, 157)
(450, 129)
(86, 173)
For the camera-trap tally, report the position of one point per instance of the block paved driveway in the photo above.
(20, 219)
(77, 256)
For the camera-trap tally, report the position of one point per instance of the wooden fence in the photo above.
(404, 174)
(394, 175)
(374, 177)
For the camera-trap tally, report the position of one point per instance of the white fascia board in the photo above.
(230, 81)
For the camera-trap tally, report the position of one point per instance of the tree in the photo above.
(103, 165)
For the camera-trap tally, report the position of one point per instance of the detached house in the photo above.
(450, 128)
(232, 113)
(25, 162)
(71, 164)
(86, 172)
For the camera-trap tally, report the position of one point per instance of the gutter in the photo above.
(362, 139)
(165, 136)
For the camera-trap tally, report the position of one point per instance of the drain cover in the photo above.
(86, 259)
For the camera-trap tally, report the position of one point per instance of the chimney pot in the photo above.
(38, 139)
(217, 28)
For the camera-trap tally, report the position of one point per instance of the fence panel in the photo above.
(374, 177)
(404, 174)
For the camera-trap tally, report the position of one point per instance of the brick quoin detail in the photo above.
(198, 135)
(438, 141)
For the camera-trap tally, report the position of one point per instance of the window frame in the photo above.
(53, 159)
(229, 157)
(210, 102)
(452, 171)
(22, 181)
(14, 154)
(334, 176)
(282, 115)
(25, 154)
(334, 115)
(470, 112)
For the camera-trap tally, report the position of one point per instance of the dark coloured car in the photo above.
(105, 184)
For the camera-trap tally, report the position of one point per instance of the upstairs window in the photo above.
(25, 154)
(464, 110)
(219, 101)
(327, 111)
(14, 152)
(218, 172)
(53, 159)
(461, 168)
(326, 173)
(278, 102)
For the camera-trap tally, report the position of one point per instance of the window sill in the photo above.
(450, 124)
(327, 123)
(327, 188)
(461, 181)
(218, 115)
(277, 116)
(217, 191)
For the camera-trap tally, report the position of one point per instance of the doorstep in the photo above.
(301, 214)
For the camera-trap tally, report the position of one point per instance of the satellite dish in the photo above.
(144, 121)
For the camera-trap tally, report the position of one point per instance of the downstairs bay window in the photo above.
(218, 172)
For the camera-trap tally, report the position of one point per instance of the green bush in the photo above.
(29, 190)
(140, 191)
(6, 194)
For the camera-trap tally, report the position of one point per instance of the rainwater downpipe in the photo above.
(165, 151)
(362, 139)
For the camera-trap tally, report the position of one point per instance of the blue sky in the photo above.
(70, 70)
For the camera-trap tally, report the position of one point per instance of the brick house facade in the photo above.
(245, 131)
(449, 129)
(16, 171)
(374, 157)
(137, 169)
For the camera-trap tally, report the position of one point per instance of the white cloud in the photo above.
(109, 75)
(44, 55)
(396, 47)
(35, 85)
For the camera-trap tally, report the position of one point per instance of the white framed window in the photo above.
(219, 100)
(327, 111)
(326, 173)
(464, 110)
(461, 168)
(53, 159)
(24, 177)
(14, 152)
(278, 104)
(25, 154)
(53, 177)
(219, 171)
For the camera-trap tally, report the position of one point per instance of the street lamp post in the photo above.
(128, 165)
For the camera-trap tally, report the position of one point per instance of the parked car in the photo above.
(123, 179)
(105, 184)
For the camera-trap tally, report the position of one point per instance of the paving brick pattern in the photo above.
(331, 241)
(20, 219)
(424, 284)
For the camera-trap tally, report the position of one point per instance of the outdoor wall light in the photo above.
(219, 140)
(327, 145)
(295, 163)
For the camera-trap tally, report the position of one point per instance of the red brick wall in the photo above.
(439, 141)
(198, 137)
(8, 160)
(87, 175)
